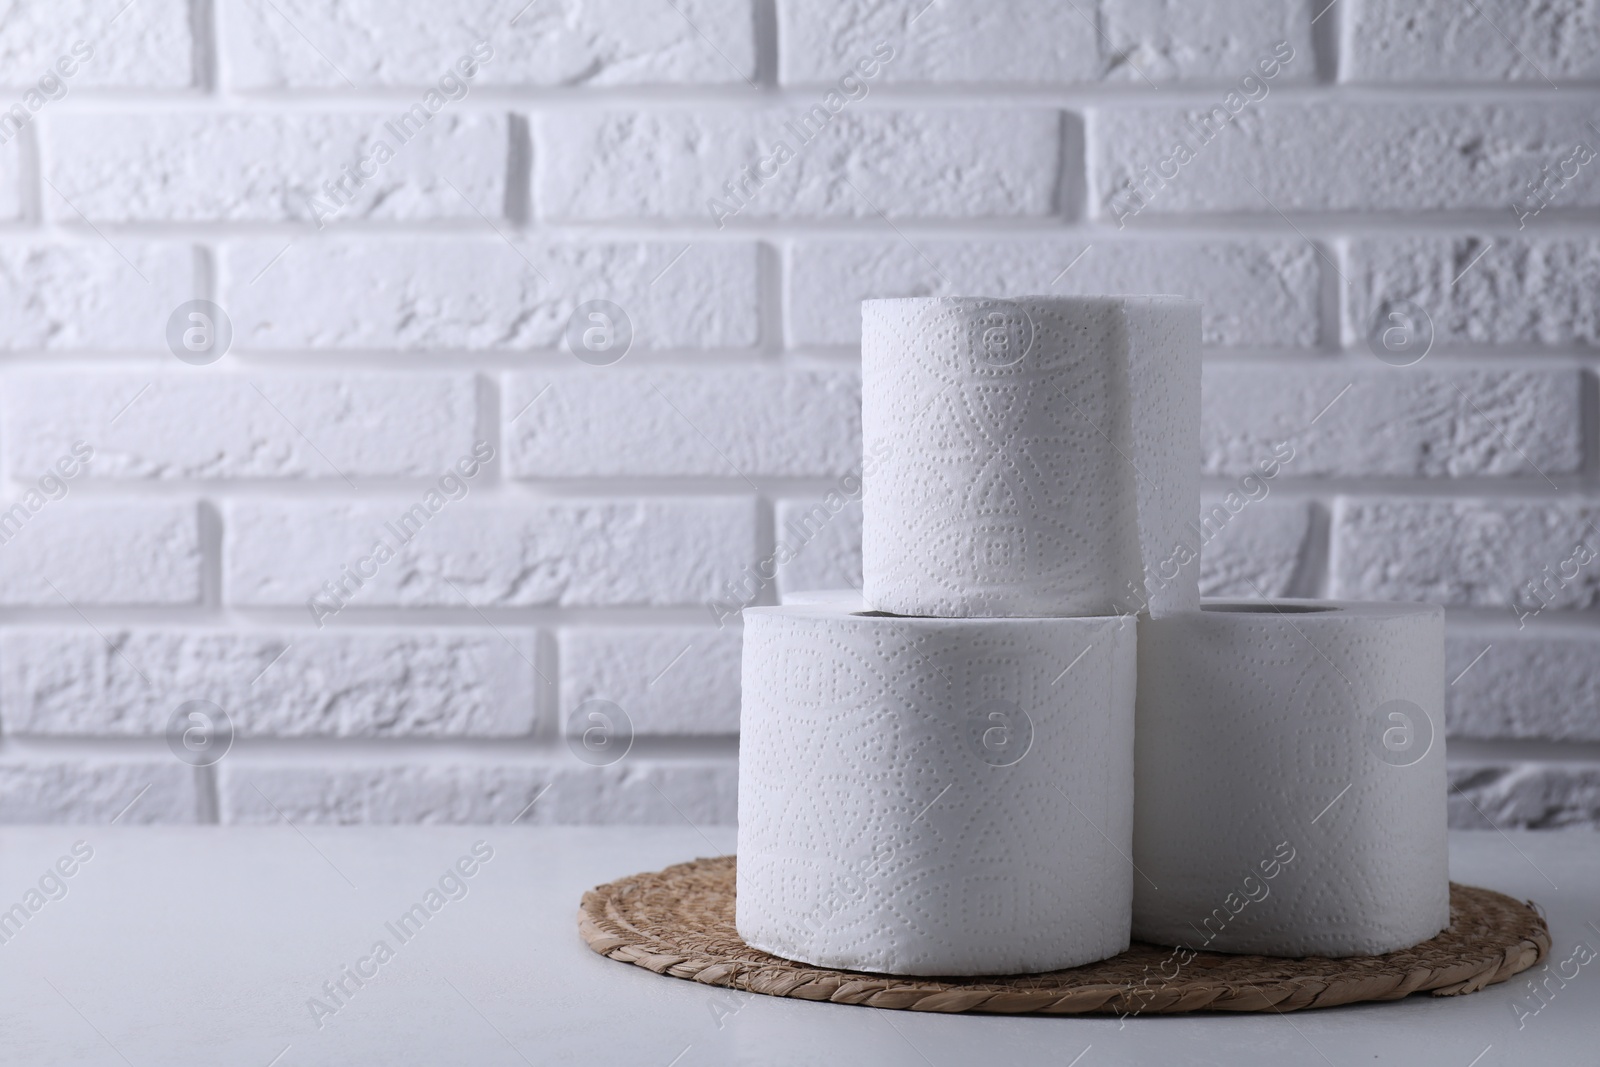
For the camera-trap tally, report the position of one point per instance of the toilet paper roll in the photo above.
(1028, 457)
(935, 796)
(1291, 778)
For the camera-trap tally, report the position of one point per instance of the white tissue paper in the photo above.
(935, 796)
(1035, 456)
(1290, 761)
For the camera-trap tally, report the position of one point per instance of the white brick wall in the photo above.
(100, 552)
(400, 306)
(1015, 41)
(406, 43)
(1486, 287)
(176, 426)
(723, 422)
(141, 48)
(478, 293)
(415, 682)
(1346, 156)
(1394, 41)
(122, 167)
(469, 555)
(952, 163)
(1430, 422)
(74, 292)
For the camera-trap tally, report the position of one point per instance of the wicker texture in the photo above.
(679, 922)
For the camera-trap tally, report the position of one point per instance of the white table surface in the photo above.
(203, 945)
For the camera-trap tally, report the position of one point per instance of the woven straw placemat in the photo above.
(679, 922)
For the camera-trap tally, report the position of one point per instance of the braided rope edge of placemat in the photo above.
(608, 930)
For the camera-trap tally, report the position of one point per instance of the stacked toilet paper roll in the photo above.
(948, 789)
(1290, 775)
(935, 796)
(939, 774)
(1037, 456)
